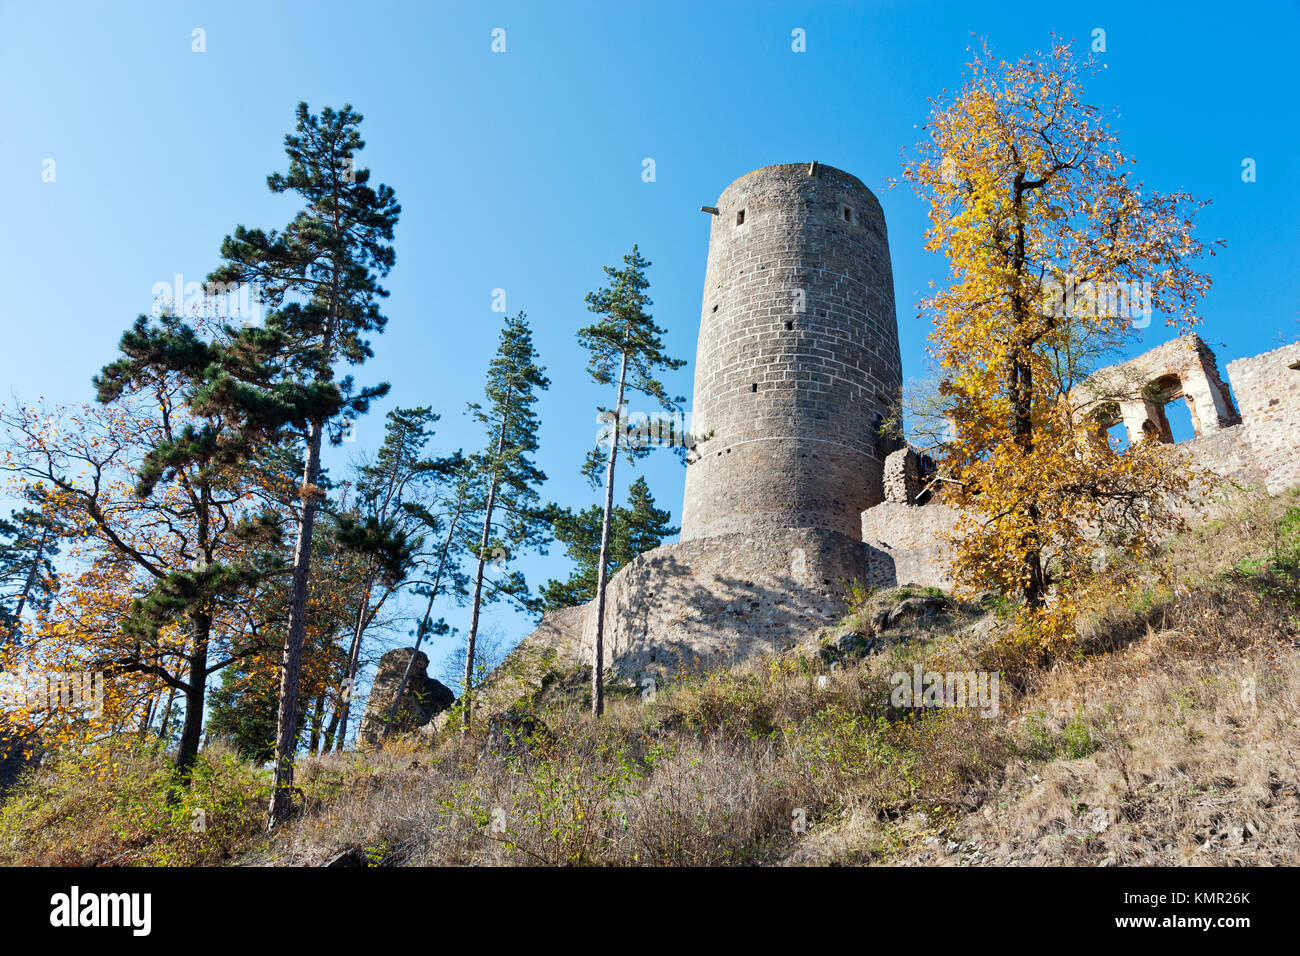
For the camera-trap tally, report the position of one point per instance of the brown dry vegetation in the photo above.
(1141, 743)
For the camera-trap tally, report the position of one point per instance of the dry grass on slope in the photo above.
(1166, 735)
(1171, 738)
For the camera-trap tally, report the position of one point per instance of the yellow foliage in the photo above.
(1028, 192)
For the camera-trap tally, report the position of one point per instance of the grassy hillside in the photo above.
(1166, 734)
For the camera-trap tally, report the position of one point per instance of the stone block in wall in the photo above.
(914, 539)
(1228, 454)
(1268, 390)
(903, 476)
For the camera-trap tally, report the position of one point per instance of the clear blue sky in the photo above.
(523, 170)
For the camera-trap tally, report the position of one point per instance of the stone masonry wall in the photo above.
(707, 601)
(798, 356)
(1228, 454)
(903, 476)
(1268, 391)
(1260, 446)
(913, 540)
(1256, 445)
(1136, 391)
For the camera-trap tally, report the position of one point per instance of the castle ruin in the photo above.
(792, 494)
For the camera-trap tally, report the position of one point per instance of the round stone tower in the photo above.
(798, 360)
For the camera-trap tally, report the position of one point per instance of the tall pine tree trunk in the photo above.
(354, 655)
(167, 715)
(317, 719)
(201, 626)
(424, 624)
(286, 743)
(27, 588)
(192, 730)
(287, 717)
(330, 729)
(598, 643)
(150, 705)
(478, 598)
(482, 559)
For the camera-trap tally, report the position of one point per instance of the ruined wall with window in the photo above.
(1138, 392)
(1253, 442)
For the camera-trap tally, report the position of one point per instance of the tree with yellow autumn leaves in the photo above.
(1030, 199)
(173, 514)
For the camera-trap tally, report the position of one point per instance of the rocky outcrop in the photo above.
(691, 606)
(892, 616)
(423, 699)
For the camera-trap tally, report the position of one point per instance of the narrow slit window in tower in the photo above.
(754, 387)
(848, 214)
(740, 218)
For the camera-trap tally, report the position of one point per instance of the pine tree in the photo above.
(626, 348)
(244, 707)
(505, 478)
(29, 541)
(382, 529)
(242, 710)
(320, 279)
(196, 470)
(634, 530)
(453, 509)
